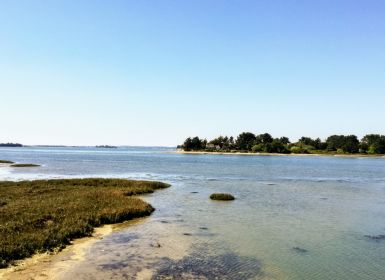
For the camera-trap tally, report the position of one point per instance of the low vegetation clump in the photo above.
(6, 161)
(106, 147)
(25, 165)
(44, 215)
(222, 196)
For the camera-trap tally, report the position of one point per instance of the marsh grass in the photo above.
(44, 215)
(24, 165)
(222, 196)
(6, 161)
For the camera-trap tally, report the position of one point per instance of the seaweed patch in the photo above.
(203, 266)
(300, 250)
(377, 238)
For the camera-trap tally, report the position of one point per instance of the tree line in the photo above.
(265, 143)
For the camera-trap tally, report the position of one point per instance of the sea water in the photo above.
(294, 217)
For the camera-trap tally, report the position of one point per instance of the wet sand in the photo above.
(52, 265)
(86, 256)
(133, 251)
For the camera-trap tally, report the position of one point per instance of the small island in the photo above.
(24, 165)
(48, 214)
(12, 164)
(6, 161)
(106, 147)
(247, 142)
(10, 145)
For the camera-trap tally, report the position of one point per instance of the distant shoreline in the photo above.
(276, 154)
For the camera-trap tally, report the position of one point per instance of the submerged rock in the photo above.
(124, 238)
(300, 250)
(113, 265)
(156, 245)
(380, 237)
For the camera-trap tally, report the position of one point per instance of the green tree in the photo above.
(306, 141)
(264, 138)
(319, 145)
(371, 139)
(334, 142)
(349, 144)
(194, 144)
(373, 144)
(316, 144)
(245, 141)
(257, 148)
(223, 142)
(187, 144)
(278, 147)
(219, 141)
(284, 140)
(231, 143)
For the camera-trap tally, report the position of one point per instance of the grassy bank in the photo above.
(43, 215)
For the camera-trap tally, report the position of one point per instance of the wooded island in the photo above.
(370, 144)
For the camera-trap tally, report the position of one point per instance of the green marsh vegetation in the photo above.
(247, 142)
(222, 196)
(6, 161)
(24, 165)
(12, 164)
(44, 215)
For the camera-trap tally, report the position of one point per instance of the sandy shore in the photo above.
(275, 154)
(51, 266)
(75, 261)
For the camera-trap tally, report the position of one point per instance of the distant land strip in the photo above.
(10, 145)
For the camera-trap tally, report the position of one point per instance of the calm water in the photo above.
(294, 217)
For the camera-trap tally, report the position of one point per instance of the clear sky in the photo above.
(155, 72)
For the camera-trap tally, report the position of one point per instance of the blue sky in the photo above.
(156, 72)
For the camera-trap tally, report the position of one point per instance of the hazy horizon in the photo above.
(152, 73)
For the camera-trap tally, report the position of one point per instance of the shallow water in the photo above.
(294, 217)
